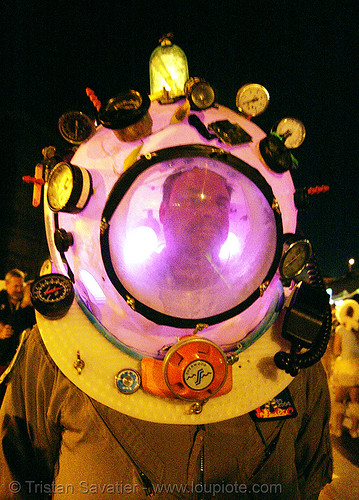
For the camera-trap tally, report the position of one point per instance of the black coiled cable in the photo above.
(293, 361)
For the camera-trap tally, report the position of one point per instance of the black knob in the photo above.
(63, 240)
(275, 154)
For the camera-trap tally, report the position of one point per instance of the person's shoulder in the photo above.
(18, 353)
(29, 341)
(310, 382)
(32, 342)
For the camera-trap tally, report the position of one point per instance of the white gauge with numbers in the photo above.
(252, 99)
(292, 132)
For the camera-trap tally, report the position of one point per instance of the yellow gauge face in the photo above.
(292, 131)
(60, 186)
(252, 99)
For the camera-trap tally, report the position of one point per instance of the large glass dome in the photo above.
(189, 234)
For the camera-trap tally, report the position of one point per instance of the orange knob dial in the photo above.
(195, 369)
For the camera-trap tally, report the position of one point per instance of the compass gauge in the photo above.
(52, 295)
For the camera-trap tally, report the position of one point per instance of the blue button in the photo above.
(128, 381)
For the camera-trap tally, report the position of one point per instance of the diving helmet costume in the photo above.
(172, 239)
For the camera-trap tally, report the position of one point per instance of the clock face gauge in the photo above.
(75, 127)
(52, 295)
(252, 99)
(60, 186)
(292, 132)
(294, 259)
(69, 188)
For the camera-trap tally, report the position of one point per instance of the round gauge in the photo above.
(294, 259)
(199, 92)
(292, 132)
(52, 295)
(75, 127)
(252, 99)
(69, 188)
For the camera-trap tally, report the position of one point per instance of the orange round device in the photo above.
(195, 368)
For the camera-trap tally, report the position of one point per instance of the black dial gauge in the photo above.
(69, 188)
(75, 127)
(294, 259)
(52, 295)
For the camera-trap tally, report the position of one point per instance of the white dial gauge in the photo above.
(292, 131)
(252, 99)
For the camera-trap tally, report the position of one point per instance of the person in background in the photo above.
(346, 369)
(16, 314)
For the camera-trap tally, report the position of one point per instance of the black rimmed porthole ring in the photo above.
(123, 185)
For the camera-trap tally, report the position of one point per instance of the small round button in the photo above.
(128, 381)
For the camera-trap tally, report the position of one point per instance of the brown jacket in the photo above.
(58, 442)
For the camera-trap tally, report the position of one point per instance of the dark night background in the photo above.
(304, 53)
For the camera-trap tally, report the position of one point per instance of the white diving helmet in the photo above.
(172, 239)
